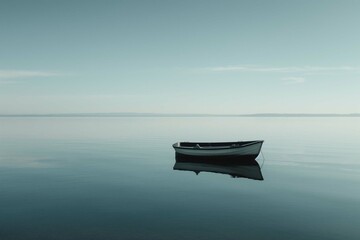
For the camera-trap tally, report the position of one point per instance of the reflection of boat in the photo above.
(235, 166)
(245, 149)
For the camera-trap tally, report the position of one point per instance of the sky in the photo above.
(216, 57)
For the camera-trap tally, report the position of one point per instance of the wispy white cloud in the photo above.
(267, 69)
(5, 81)
(17, 74)
(293, 80)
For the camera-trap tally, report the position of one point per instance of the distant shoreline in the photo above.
(181, 115)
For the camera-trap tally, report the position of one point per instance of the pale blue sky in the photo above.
(225, 57)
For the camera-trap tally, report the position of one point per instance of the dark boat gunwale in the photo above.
(214, 145)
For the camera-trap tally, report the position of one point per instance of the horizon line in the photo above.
(135, 114)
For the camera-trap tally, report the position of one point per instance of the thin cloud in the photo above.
(17, 74)
(293, 80)
(2, 81)
(304, 69)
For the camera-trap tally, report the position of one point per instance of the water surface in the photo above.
(113, 178)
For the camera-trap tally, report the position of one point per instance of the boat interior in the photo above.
(215, 144)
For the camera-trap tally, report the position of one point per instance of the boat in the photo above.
(245, 149)
(245, 168)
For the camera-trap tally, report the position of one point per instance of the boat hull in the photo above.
(250, 150)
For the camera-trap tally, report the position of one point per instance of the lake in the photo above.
(113, 178)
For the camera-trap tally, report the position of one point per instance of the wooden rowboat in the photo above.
(243, 149)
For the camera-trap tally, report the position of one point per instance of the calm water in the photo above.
(113, 178)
